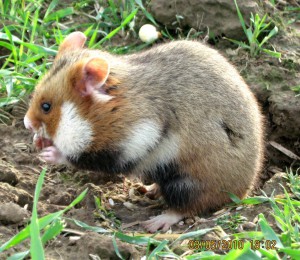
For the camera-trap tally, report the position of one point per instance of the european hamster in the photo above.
(177, 113)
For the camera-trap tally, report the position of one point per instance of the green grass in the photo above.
(296, 89)
(231, 222)
(258, 33)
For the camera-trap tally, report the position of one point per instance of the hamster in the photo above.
(178, 114)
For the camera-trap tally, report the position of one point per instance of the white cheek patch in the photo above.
(74, 133)
(143, 137)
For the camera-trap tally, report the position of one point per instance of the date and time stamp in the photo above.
(230, 244)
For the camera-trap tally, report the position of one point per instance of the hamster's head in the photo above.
(62, 111)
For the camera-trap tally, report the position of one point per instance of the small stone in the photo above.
(201, 220)
(9, 175)
(274, 184)
(111, 202)
(219, 212)
(249, 225)
(94, 257)
(11, 213)
(131, 193)
(130, 206)
(240, 228)
(74, 238)
(63, 199)
(10, 193)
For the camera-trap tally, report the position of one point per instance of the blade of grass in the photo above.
(39, 49)
(146, 13)
(249, 235)
(113, 9)
(59, 14)
(93, 37)
(245, 253)
(295, 253)
(19, 256)
(88, 227)
(241, 18)
(268, 232)
(34, 25)
(233, 197)
(50, 8)
(23, 33)
(116, 248)
(270, 254)
(255, 200)
(53, 230)
(207, 255)
(193, 234)
(242, 44)
(13, 47)
(274, 54)
(137, 240)
(166, 255)
(160, 247)
(36, 246)
(34, 47)
(270, 35)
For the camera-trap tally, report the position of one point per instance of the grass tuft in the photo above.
(255, 34)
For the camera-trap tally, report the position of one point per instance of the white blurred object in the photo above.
(148, 33)
(111, 202)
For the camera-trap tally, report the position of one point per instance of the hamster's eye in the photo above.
(46, 107)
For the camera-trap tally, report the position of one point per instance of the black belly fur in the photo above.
(104, 161)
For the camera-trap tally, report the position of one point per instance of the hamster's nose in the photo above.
(28, 123)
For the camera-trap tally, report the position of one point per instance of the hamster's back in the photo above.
(208, 105)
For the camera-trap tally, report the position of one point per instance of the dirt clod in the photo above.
(276, 184)
(8, 174)
(9, 193)
(95, 244)
(11, 213)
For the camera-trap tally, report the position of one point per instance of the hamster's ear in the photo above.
(73, 41)
(95, 73)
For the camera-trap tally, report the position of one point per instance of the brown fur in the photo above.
(185, 87)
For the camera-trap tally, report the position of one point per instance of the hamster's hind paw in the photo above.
(163, 222)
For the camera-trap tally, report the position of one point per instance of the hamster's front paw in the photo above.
(52, 155)
(163, 222)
